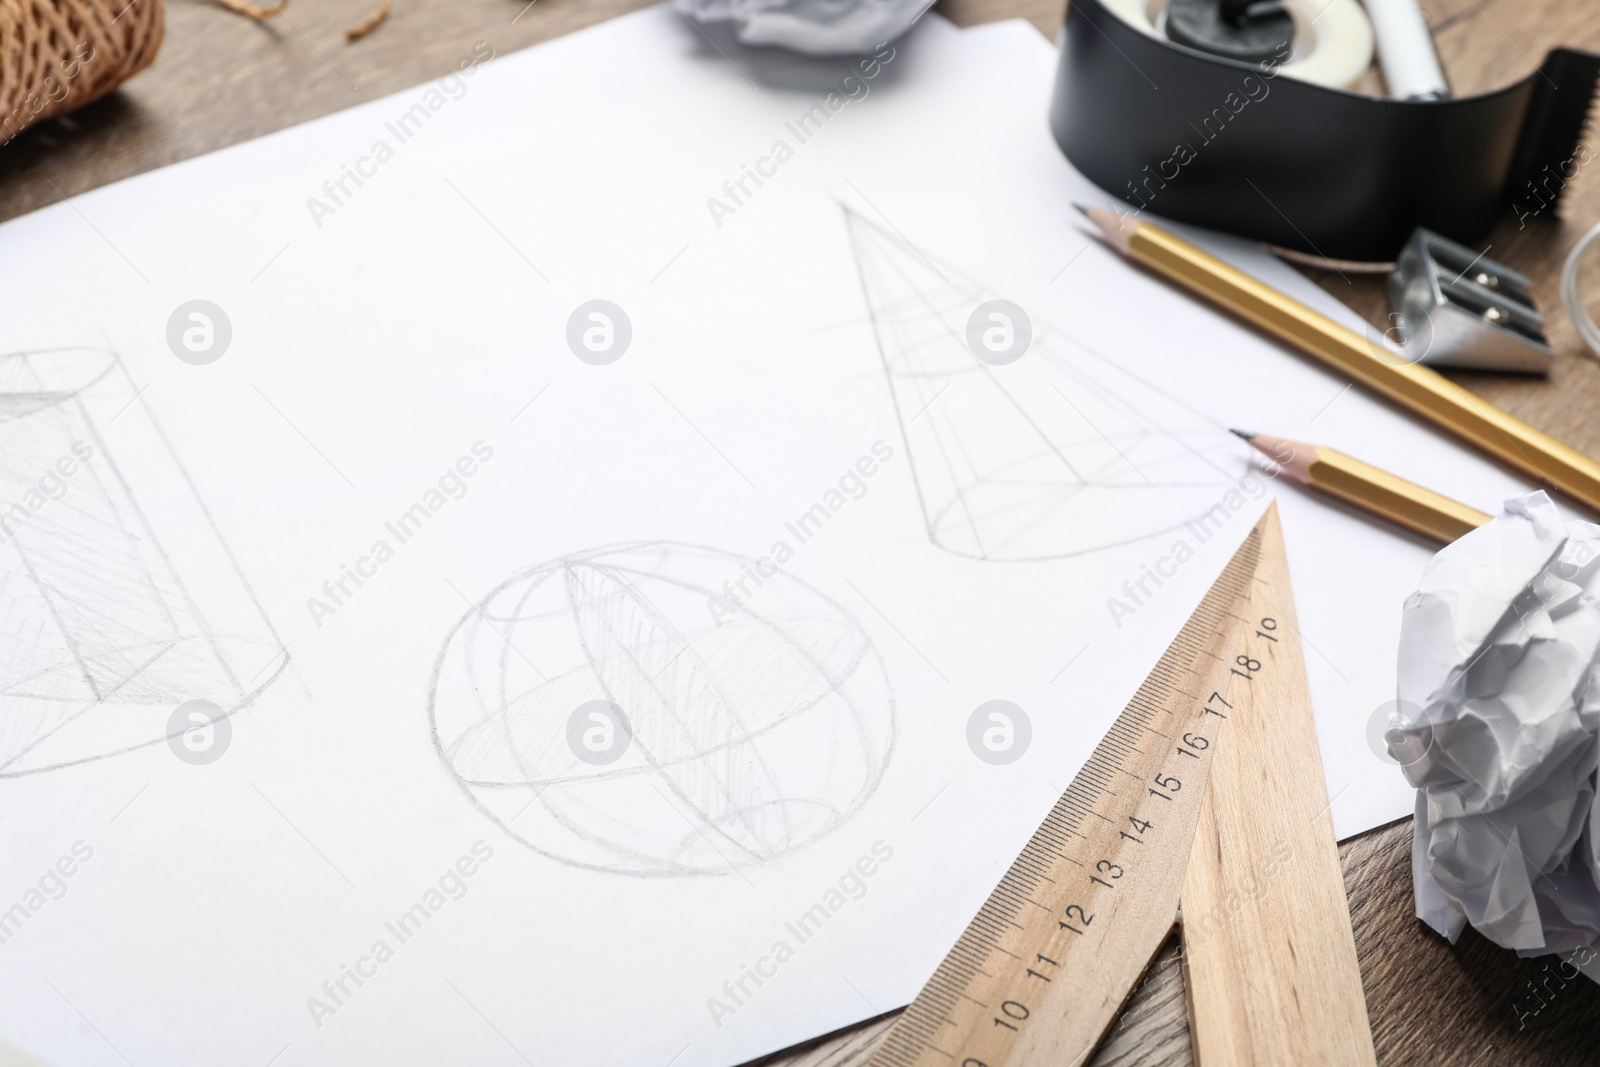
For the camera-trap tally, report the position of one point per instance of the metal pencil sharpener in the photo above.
(1457, 308)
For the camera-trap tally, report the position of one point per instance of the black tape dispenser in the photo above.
(1171, 106)
(1250, 31)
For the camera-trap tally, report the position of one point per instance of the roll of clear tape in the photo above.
(1572, 299)
(1333, 43)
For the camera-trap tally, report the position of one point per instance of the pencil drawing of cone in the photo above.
(1059, 453)
(119, 599)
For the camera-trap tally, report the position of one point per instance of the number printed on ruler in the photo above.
(1044, 967)
(1135, 820)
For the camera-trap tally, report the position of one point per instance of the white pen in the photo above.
(1405, 51)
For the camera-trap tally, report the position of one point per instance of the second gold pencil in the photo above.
(1367, 487)
(1420, 389)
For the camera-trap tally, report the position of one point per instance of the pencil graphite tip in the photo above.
(1114, 228)
(1244, 435)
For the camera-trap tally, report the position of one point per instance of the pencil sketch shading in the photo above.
(1020, 468)
(111, 615)
(753, 732)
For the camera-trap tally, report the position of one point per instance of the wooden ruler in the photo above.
(1207, 793)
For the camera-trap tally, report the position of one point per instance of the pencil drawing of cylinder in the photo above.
(119, 598)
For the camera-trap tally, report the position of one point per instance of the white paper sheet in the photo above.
(402, 345)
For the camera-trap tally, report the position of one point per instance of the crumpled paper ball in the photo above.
(815, 27)
(1499, 687)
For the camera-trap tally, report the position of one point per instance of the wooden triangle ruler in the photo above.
(1205, 806)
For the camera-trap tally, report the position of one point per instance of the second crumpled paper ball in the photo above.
(1499, 706)
(815, 27)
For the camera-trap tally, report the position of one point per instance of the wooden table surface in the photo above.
(221, 79)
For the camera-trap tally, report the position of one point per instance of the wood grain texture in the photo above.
(221, 79)
(1430, 1003)
(1485, 44)
(1269, 960)
(1044, 969)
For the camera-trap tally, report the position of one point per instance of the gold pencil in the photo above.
(1368, 488)
(1410, 385)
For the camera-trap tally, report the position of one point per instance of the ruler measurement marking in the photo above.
(1115, 752)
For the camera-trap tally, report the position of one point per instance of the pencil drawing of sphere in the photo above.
(755, 723)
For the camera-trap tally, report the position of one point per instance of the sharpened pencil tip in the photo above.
(1116, 229)
(1243, 434)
